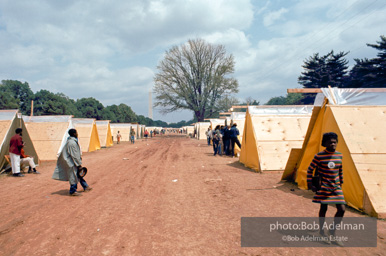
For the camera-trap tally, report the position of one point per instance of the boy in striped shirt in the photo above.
(329, 163)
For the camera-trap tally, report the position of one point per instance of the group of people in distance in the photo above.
(224, 138)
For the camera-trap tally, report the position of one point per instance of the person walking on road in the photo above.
(118, 137)
(132, 136)
(328, 164)
(69, 163)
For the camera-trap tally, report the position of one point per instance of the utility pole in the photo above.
(150, 106)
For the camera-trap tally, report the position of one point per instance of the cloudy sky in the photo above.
(109, 50)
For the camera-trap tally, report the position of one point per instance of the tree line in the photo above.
(332, 69)
(17, 95)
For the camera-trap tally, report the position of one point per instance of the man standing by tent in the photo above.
(68, 164)
(15, 146)
(234, 140)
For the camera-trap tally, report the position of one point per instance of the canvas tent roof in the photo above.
(123, 128)
(49, 134)
(104, 132)
(9, 122)
(87, 134)
(270, 133)
(361, 139)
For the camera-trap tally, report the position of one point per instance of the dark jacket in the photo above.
(234, 132)
(16, 144)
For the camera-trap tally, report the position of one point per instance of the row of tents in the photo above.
(286, 138)
(45, 136)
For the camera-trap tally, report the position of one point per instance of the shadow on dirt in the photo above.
(238, 165)
(63, 192)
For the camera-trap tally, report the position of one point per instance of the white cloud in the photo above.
(110, 51)
(272, 17)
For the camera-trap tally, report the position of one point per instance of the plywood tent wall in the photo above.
(123, 128)
(201, 129)
(362, 142)
(104, 132)
(359, 121)
(9, 122)
(270, 134)
(87, 134)
(49, 134)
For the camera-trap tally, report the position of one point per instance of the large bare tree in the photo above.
(194, 76)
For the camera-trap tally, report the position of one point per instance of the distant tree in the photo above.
(107, 114)
(126, 114)
(289, 99)
(370, 73)
(224, 104)
(322, 71)
(194, 76)
(89, 108)
(7, 101)
(251, 102)
(21, 92)
(48, 103)
(280, 100)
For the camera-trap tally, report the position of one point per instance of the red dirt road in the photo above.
(171, 196)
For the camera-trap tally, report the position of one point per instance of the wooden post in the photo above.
(32, 108)
(332, 95)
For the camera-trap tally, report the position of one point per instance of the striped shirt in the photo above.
(330, 169)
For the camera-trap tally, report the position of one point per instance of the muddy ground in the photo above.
(164, 196)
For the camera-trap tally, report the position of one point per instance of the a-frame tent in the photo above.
(49, 134)
(10, 120)
(189, 129)
(87, 134)
(104, 132)
(359, 119)
(202, 127)
(270, 132)
(123, 128)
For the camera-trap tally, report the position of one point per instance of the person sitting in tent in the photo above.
(15, 145)
(118, 137)
(26, 160)
(69, 163)
(328, 164)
